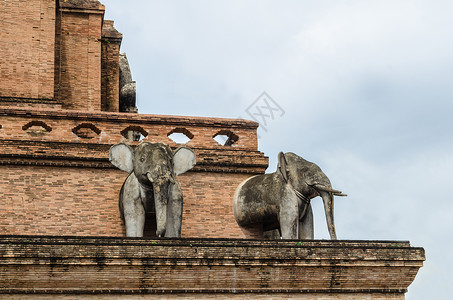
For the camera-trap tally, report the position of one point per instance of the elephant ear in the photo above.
(121, 156)
(183, 160)
(282, 166)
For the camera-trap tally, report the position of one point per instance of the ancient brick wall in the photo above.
(27, 41)
(60, 201)
(54, 200)
(57, 179)
(95, 268)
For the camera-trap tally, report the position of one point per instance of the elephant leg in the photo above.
(131, 207)
(135, 222)
(174, 211)
(306, 230)
(289, 219)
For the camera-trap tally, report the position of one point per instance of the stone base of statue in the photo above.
(104, 268)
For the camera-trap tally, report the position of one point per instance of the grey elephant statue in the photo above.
(152, 185)
(127, 87)
(281, 200)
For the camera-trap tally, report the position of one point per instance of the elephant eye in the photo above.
(142, 159)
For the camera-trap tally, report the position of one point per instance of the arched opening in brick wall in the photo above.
(225, 138)
(180, 135)
(36, 128)
(86, 131)
(38, 124)
(134, 133)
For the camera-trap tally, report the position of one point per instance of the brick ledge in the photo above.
(126, 117)
(88, 265)
(205, 291)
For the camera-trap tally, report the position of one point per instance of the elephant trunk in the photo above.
(328, 208)
(160, 188)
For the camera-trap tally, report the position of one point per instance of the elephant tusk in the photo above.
(148, 175)
(327, 198)
(301, 196)
(329, 190)
(171, 178)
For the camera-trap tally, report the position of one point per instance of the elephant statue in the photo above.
(152, 185)
(281, 200)
(127, 87)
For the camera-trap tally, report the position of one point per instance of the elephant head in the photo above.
(152, 184)
(308, 181)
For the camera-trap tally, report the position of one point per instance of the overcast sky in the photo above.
(365, 86)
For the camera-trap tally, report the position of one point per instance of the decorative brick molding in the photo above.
(32, 103)
(112, 125)
(90, 267)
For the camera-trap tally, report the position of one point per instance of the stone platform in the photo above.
(36, 267)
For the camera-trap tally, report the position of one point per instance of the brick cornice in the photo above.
(10, 101)
(81, 6)
(127, 117)
(60, 154)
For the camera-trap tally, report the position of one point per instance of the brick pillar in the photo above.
(79, 60)
(111, 42)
